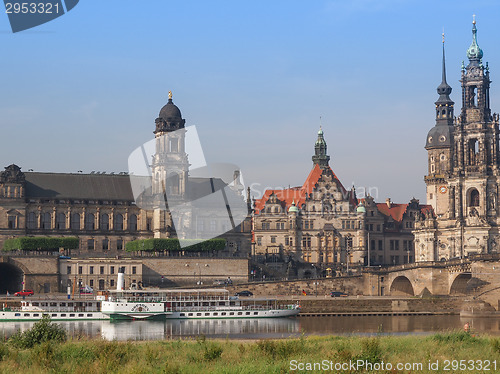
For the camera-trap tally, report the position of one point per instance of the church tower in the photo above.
(463, 176)
(439, 146)
(170, 165)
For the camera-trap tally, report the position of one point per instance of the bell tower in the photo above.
(463, 177)
(439, 146)
(169, 167)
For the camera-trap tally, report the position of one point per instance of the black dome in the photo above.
(170, 112)
(439, 137)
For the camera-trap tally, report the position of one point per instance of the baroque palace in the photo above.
(101, 211)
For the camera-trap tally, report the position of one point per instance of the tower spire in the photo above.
(320, 157)
(474, 53)
(444, 105)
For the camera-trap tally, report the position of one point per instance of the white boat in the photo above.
(191, 304)
(56, 309)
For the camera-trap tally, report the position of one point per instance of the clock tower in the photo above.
(463, 176)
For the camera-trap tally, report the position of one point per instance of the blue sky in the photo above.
(83, 91)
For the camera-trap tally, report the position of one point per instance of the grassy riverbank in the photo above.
(266, 356)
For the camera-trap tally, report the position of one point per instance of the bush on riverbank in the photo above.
(41, 332)
(228, 356)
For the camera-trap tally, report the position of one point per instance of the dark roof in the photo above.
(170, 112)
(78, 186)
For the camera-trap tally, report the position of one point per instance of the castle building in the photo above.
(321, 226)
(463, 169)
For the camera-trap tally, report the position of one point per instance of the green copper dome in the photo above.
(361, 208)
(321, 139)
(474, 52)
(293, 208)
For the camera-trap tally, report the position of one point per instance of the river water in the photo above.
(265, 328)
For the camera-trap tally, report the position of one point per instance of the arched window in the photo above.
(104, 224)
(31, 224)
(118, 222)
(173, 184)
(474, 197)
(61, 221)
(89, 221)
(46, 217)
(75, 221)
(132, 223)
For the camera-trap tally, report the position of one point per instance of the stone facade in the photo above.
(321, 227)
(463, 170)
(100, 209)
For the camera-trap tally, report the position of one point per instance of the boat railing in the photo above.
(225, 308)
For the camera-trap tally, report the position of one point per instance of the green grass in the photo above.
(227, 356)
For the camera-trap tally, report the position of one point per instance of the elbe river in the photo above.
(266, 328)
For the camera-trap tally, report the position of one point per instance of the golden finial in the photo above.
(170, 95)
(473, 19)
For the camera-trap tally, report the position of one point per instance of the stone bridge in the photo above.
(477, 276)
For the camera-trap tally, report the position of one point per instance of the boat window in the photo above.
(240, 313)
(26, 314)
(53, 304)
(231, 314)
(255, 313)
(190, 314)
(198, 314)
(71, 315)
(222, 303)
(247, 313)
(54, 315)
(183, 315)
(231, 303)
(17, 315)
(81, 315)
(89, 315)
(223, 313)
(34, 304)
(70, 304)
(36, 315)
(216, 314)
(207, 314)
(63, 304)
(205, 303)
(63, 315)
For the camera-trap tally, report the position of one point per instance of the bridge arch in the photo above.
(11, 278)
(460, 284)
(401, 285)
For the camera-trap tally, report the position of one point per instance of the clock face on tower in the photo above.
(443, 189)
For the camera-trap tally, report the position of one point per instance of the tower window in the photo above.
(474, 198)
(173, 184)
(174, 145)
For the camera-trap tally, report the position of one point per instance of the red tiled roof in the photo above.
(299, 194)
(396, 211)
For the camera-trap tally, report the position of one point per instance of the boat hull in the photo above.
(236, 314)
(11, 316)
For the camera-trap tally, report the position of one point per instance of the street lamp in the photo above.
(316, 288)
